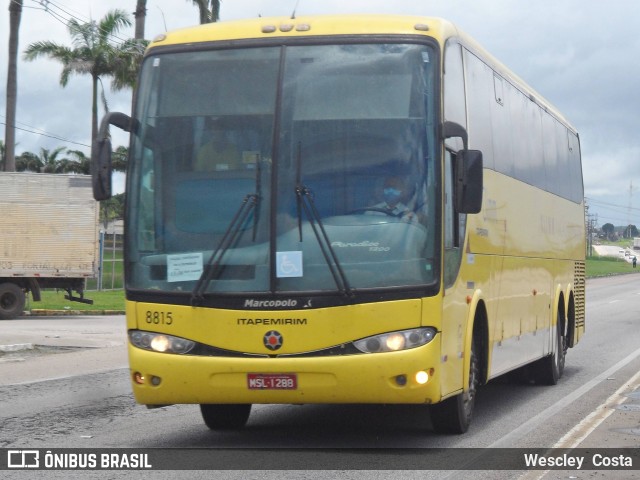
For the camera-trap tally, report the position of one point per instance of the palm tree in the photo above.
(15, 13)
(2, 155)
(119, 159)
(209, 10)
(94, 54)
(140, 15)
(80, 164)
(28, 162)
(47, 162)
(51, 163)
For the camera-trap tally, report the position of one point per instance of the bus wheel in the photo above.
(12, 301)
(225, 416)
(453, 415)
(548, 370)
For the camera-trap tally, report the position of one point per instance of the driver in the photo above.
(393, 192)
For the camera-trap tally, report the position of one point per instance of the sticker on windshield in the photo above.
(288, 264)
(184, 267)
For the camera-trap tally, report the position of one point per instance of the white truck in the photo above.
(48, 237)
(636, 243)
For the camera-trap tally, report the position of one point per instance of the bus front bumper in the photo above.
(409, 376)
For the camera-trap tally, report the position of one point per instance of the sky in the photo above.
(582, 56)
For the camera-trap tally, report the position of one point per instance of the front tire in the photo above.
(225, 416)
(454, 414)
(12, 301)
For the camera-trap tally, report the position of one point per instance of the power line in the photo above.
(607, 204)
(53, 8)
(43, 133)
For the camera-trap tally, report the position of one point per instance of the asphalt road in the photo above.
(80, 398)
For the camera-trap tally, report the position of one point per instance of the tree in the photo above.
(119, 159)
(28, 162)
(2, 155)
(15, 14)
(608, 229)
(93, 54)
(209, 10)
(80, 163)
(48, 161)
(112, 209)
(140, 15)
(631, 231)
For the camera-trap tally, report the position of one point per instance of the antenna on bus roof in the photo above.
(293, 15)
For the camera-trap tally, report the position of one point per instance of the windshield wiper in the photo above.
(304, 200)
(214, 266)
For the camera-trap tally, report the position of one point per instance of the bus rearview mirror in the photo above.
(469, 181)
(101, 169)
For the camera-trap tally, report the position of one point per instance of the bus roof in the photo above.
(353, 24)
(321, 25)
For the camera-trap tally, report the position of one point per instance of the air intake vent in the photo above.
(579, 293)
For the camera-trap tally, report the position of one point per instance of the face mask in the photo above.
(391, 195)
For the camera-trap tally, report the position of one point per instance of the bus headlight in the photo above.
(160, 342)
(396, 341)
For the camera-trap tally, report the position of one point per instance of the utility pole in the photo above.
(591, 221)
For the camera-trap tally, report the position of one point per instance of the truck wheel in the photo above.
(12, 301)
(225, 416)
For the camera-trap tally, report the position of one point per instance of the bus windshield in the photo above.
(303, 168)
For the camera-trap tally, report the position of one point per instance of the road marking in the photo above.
(510, 439)
(582, 430)
(577, 434)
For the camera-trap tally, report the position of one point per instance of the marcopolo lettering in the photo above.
(253, 303)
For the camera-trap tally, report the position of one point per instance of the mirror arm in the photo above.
(453, 129)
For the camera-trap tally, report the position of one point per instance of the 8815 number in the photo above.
(159, 318)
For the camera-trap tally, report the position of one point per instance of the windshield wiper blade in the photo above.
(328, 252)
(304, 199)
(214, 266)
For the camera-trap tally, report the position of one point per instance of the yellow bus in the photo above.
(343, 209)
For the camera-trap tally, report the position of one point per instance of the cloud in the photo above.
(579, 55)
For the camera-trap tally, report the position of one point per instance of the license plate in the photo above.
(272, 381)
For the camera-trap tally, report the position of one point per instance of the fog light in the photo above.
(155, 380)
(138, 378)
(401, 380)
(422, 377)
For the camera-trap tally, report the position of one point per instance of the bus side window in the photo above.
(454, 224)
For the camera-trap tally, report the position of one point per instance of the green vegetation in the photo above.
(113, 271)
(109, 300)
(604, 266)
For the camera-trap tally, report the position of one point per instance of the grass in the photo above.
(605, 266)
(112, 300)
(113, 271)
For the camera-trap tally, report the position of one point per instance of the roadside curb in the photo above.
(16, 347)
(35, 312)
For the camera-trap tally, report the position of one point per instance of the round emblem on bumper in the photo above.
(272, 340)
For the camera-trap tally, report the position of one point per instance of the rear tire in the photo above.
(225, 416)
(548, 370)
(454, 414)
(12, 301)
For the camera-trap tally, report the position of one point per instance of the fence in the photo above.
(111, 263)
